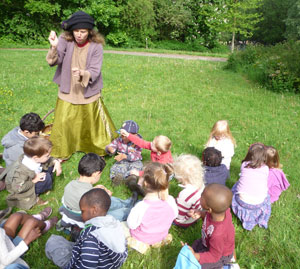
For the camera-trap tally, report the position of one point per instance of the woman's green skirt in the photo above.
(86, 128)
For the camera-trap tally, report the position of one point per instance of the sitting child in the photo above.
(215, 172)
(277, 182)
(101, 243)
(31, 175)
(13, 142)
(251, 201)
(159, 147)
(12, 247)
(129, 155)
(150, 220)
(216, 247)
(189, 172)
(221, 138)
(90, 168)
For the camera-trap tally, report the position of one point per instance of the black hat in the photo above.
(79, 20)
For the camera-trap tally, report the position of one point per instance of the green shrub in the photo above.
(119, 39)
(276, 67)
(183, 46)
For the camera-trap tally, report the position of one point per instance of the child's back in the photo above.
(222, 139)
(215, 172)
(277, 181)
(189, 172)
(251, 202)
(151, 219)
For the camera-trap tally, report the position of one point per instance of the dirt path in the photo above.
(150, 54)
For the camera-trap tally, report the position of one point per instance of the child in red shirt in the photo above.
(160, 152)
(216, 246)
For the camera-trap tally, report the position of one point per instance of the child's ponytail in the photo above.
(156, 178)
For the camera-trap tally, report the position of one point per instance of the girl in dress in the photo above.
(251, 202)
(221, 138)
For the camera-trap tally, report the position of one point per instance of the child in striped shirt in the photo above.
(189, 172)
(101, 243)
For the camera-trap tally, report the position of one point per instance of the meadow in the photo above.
(181, 99)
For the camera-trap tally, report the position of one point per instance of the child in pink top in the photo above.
(150, 220)
(277, 182)
(251, 202)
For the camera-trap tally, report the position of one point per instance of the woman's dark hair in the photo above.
(211, 157)
(94, 36)
(90, 163)
(256, 156)
(31, 122)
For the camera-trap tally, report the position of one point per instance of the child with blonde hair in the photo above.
(160, 152)
(277, 182)
(150, 220)
(251, 202)
(189, 172)
(221, 138)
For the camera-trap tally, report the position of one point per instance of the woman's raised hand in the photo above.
(53, 39)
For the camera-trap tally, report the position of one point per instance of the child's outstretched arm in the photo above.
(136, 140)
(112, 147)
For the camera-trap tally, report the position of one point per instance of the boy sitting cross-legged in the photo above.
(101, 243)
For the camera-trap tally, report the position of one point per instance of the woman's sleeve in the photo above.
(56, 56)
(8, 257)
(95, 64)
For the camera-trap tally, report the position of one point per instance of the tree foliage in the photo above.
(195, 22)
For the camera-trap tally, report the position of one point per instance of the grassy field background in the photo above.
(181, 99)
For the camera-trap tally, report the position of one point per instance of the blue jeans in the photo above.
(119, 208)
(16, 266)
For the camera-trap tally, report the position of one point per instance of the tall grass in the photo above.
(181, 99)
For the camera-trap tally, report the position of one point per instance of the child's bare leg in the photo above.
(29, 225)
(13, 222)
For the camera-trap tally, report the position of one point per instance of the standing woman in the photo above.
(82, 122)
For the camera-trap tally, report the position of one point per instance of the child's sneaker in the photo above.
(49, 224)
(132, 184)
(139, 246)
(117, 180)
(44, 214)
(164, 242)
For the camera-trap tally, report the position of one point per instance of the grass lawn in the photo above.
(181, 99)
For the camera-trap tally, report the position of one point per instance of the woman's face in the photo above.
(81, 35)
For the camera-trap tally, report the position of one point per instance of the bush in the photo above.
(276, 67)
(118, 39)
(177, 45)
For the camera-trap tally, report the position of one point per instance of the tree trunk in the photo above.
(232, 42)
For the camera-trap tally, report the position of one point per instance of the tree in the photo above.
(240, 17)
(172, 18)
(293, 21)
(138, 19)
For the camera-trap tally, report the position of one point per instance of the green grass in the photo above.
(181, 99)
